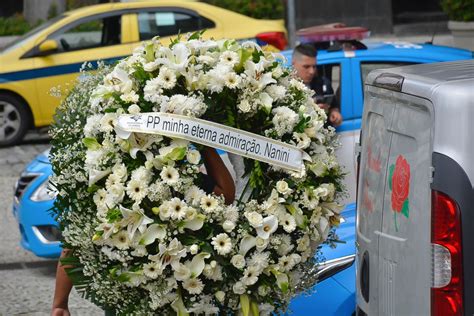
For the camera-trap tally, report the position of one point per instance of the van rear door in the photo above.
(403, 199)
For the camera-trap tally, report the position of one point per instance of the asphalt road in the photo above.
(26, 281)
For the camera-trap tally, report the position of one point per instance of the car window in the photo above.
(166, 23)
(365, 68)
(333, 73)
(89, 34)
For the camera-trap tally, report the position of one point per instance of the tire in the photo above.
(14, 120)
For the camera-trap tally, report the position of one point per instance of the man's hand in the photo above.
(58, 311)
(324, 106)
(335, 117)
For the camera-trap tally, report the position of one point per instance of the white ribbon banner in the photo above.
(213, 135)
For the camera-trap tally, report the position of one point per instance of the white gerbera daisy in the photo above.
(222, 244)
(178, 209)
(136, 190)
(169, 175)
(251, 274)
(121, 240)
(208, 203)
(167, 78)
(193, 286)
(152, 269)
(232, 80)
(288, 222)
(229, 58)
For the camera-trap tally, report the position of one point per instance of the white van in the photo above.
(415, 220)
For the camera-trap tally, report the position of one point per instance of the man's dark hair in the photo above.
(306, 50)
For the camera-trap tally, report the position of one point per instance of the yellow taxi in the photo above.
(52, 54)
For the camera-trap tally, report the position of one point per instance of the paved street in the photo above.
(26, 281)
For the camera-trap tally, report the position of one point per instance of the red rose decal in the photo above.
(400, 184)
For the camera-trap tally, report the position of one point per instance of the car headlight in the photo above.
(45, 192)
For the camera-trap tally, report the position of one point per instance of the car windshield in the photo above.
(21, 40)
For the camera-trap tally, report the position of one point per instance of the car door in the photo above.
(339, 72)
(167, 22)
(100, 37)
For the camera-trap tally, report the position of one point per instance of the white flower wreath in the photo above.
(145, 237)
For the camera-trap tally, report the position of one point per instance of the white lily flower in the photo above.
(153, 232)
(247, 243)
(196, 265)
(196, 223)
(134, 219)
(96, 175)
(269, 226)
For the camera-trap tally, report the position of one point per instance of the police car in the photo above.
(347, 70)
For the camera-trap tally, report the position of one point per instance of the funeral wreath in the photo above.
(144, 237)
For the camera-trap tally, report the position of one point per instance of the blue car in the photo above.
(347, 70)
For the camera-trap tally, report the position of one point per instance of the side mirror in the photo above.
(47, 47)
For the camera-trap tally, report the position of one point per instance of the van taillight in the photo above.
(277, 39)
(447, 285)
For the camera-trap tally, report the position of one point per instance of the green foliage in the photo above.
(259, 9)
(14, 25)
(459, 10)
(53, 11)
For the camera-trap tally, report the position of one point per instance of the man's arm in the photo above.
(62, 290)
(217, 170)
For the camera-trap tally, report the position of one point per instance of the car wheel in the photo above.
(14, 120)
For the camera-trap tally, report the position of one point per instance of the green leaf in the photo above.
(93, 188)
(91, 143)
(390, 176)
(196, 35)
(406, 209)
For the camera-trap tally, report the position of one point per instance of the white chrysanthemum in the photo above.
(209, 203)
(92, 125)
(284, 120)
(121, 240)
(177, 208)
(251, 274)
(222, 244)
(238, 261)
(231, 213)
(153, 92)
(285, 245)
(259, 260)
(136, 190)
(141, 174)
(194, 195)
(232, 80)
(303, 243)
(169, 175)
(112, 179)
(277, 92)
(229, 58)
(288, 222)
(193, 286)
(152, 269)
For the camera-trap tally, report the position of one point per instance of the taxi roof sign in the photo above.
(331, 32)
